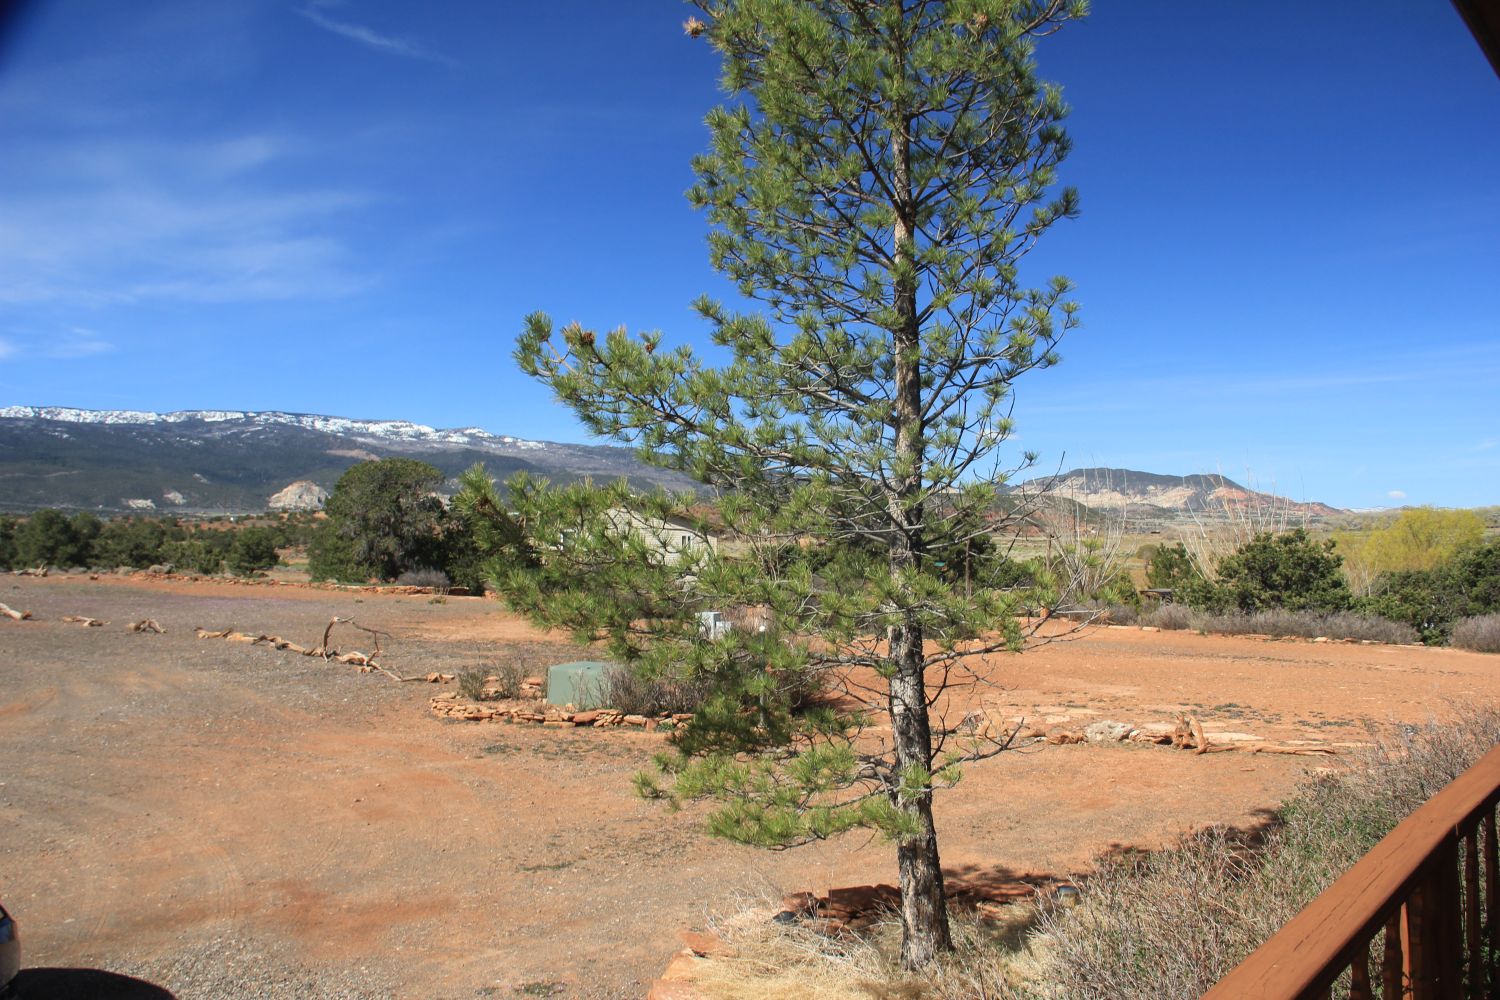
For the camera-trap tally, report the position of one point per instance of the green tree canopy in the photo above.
(383, 518)
(1419, 538)
(251, 551)
(875, 181)
(8, 541)
(1289, 570)
(1171, 567)
(50, 538)
(137, 542)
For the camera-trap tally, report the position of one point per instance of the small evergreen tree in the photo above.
(1170, 568)
(383, 518)
(251, 551)
(882, 172)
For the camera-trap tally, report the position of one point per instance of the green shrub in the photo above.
(1420, 599)
(1170, 567)
(8, 542)
(196, 553)
(1475, 579)
(251, 551)
(1430, 601)
(49, 538)
(137, 542)
(1287, 570)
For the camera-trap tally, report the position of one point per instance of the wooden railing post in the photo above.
(1394, 963)
(1491, 896)
(1473, 938)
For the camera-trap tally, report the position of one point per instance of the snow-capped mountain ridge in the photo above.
(234, 461)
(391, 430)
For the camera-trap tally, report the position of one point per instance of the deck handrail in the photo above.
(1409, 885)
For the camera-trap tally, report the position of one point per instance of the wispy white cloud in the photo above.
(53, 344)
(161, 219)
(1396, 494)
(317, 11)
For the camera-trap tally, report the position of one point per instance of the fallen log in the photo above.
(146, 625)
(12, 613)
(85, 621)
(375, 633)
(1198, 736)
(204, 633)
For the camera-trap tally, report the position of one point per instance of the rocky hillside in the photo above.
(1149, 494)
(218, 461)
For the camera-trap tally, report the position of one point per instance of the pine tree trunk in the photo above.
(924, 911)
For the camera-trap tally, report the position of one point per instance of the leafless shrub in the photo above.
(1086, 552)
(506, 679)
(1306, 624)
(626, 690)
(1349, 625)
(1122, 614)
(471, 684)
(491, 681)
(1222, 531)
(1481, 634)
(1168, 616)
(424, 577)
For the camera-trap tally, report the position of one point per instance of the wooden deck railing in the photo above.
(1422, 886)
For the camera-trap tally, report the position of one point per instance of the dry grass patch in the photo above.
(772, 961)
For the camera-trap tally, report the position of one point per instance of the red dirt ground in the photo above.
(169, 801)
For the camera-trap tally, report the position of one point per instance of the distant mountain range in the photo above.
(1149, 494)
(232, 461)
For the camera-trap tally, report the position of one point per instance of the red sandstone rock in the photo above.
(673, 989)
(705, 943)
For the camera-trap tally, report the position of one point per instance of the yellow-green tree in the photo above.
(1417, 539)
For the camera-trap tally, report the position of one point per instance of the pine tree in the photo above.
(881, 170)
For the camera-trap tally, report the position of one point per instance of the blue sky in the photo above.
(1288, 257)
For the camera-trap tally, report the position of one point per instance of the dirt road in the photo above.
(228, 821)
